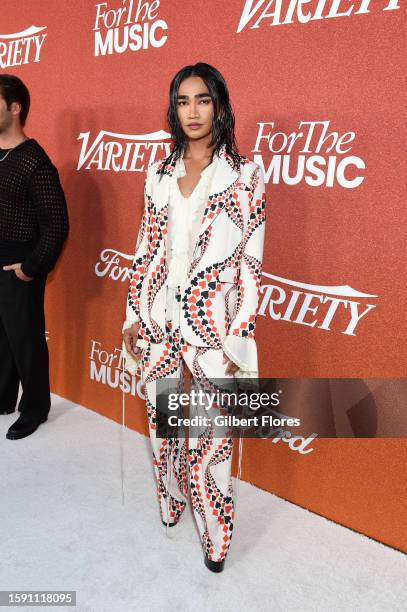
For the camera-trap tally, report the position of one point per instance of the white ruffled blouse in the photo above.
(184, 217)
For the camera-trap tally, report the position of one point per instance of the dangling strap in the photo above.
(239, 471)
(168, 479)
(122, 431)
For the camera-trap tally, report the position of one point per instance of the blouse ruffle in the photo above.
(184, 221)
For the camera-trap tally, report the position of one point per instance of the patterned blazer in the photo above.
(220, 297)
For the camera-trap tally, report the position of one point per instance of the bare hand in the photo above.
(130, 337)
(231, 368)
(18, 272)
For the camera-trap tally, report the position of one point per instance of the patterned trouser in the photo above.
(200, 467)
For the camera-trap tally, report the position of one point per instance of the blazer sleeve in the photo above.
(240, 344)
(140, 262)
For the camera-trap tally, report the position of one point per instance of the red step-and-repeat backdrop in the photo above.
(317, 89)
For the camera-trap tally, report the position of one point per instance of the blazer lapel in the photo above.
(222, 178)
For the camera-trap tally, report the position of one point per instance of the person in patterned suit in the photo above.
(194, 292)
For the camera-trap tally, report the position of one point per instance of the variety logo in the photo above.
(319, 306)
(314, 305)
(106, 368)
(122, 152)
(21, 47)
(313, 155)
(283, 12)
(128, 27)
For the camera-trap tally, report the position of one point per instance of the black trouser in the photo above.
(23, 347)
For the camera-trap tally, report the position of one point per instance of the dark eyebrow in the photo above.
(200, 95)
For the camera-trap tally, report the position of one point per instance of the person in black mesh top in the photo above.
(33, 227)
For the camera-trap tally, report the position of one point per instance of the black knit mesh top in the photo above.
(33, 212)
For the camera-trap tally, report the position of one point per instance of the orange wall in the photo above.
(345, 71)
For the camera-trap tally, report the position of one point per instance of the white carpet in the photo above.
(63, 527)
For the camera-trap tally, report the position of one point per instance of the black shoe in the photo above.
(23, 427)
(214, 566)
(7, 411)
(169, 525)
